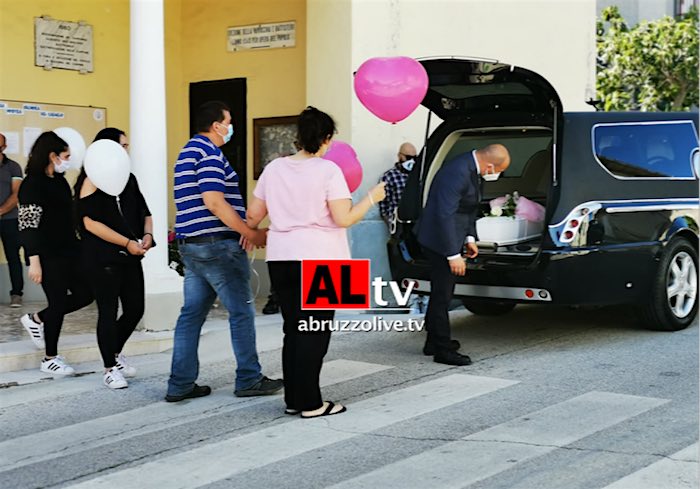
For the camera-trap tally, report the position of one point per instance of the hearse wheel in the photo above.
(673, 302)
(487, 308)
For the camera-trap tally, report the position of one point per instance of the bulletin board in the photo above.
(22, 122)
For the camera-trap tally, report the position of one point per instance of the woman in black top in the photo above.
(47, 232)
(116, 234)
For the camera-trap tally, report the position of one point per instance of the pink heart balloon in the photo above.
(391, 88)
(345, 157)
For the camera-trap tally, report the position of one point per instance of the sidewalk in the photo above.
(78, 342)
(20, 359)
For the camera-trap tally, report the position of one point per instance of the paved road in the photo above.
(556, 398)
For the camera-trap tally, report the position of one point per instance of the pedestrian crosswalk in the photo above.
(460, 462)
(501, 447)
(678, 471)
(109, 429)
(278, 442)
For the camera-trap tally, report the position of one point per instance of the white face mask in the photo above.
(491, 177)
(62, 166)
(408, 164)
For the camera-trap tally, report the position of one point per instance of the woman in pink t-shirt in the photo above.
(310, 207)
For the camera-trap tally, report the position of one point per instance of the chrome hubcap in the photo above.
(682, 285)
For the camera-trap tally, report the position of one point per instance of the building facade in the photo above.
(555, 38)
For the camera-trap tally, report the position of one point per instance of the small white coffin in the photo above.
(507, 230)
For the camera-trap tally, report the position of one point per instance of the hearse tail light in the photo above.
(568, 228)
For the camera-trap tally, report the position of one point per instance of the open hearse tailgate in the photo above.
(460, 87)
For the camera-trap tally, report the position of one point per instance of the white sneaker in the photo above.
(114, 379)
(35, 330)
(57, 366)
(124, 367)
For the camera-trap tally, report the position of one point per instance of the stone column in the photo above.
(149, 156)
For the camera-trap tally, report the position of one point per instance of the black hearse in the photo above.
(620, 192)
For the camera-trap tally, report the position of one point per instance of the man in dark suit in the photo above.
(448, 219)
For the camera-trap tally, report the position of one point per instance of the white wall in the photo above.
(329, 60)
(555, 38)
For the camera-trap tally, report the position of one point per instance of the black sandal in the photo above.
(292, 412)
(327, 412)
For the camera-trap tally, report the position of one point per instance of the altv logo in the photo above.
(345, 284)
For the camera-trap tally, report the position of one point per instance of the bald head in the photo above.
(406, 152)
(493, 155)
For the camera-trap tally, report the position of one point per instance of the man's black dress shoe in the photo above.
(271, 307)
(430, 350)
(197, 391)
(452, 358)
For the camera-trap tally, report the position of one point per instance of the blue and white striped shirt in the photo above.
(202, 167)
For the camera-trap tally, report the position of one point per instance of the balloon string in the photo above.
(257, 275)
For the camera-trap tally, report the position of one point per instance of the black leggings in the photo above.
(113, 284)
(59, 276)
(302, 351)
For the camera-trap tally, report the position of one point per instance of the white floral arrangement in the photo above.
(504, 206)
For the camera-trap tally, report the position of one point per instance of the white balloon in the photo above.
(76, 143)
(108, 166)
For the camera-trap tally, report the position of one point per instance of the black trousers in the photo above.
(302, 351)
(9, 233)
(60, 276)
(442, 288)
(111, 285)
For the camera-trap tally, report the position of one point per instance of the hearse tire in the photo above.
(486, 308)
(678, 267)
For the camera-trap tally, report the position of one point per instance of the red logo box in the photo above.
(335, 284)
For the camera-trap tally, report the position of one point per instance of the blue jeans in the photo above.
(211, 269)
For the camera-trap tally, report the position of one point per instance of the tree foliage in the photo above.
(652, 66)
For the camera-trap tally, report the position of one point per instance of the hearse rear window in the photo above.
(646, 150)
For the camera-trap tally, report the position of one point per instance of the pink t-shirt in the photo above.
(296, 193)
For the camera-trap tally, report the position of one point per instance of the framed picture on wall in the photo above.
(272, 137)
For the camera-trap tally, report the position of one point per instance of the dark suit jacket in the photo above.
(452, 209)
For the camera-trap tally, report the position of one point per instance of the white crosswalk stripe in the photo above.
(186, 470)
(678, 471)
(40, 446)
(489, 452)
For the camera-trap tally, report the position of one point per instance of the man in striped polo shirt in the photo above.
(212, 237)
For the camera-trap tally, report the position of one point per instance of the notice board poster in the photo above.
(22, 122)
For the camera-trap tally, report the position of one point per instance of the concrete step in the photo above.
(23, 355)
(79, 348)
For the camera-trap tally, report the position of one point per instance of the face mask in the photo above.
(491, 177)
(62, 166)
(227, 137)
(408, 164)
